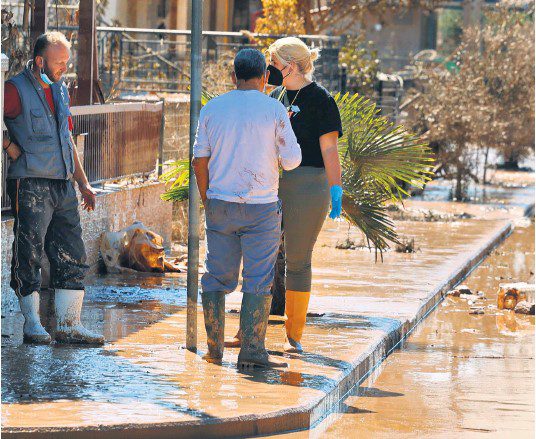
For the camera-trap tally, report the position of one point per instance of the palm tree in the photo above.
(378, 160)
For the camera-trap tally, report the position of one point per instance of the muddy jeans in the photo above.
(46, 218)
(236, 230)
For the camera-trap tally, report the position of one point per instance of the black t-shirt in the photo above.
(316, 114)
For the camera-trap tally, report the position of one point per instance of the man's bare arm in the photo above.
(200, 165)
(89, 197)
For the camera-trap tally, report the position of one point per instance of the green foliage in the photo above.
(378, 161)
(179, 179)
(178, 176)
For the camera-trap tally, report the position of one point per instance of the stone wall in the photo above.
(177, 127)
(116, 208)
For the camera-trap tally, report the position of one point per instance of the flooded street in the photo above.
(144, 376)
(457, 375)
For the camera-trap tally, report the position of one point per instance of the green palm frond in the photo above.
(207, 96)
(378, 159)
(179, 178)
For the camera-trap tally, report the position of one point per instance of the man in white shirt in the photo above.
(242, 136)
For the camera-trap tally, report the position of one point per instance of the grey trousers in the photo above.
(46, 218)
(304, 193)
(235, 231)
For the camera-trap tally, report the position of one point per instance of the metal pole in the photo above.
(193, 194)
(161, 143)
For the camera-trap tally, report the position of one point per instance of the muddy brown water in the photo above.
(458, 375)
(143, 375)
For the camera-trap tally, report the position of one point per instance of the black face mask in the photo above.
(276, 77)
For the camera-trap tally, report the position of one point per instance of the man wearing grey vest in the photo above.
(43, 199)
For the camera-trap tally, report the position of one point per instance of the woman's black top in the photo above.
(314, 113)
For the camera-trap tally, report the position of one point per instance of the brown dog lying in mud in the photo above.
(136, 248)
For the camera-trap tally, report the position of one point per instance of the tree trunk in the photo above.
(512, 162)
(279, 287)
(458, 193)
(485, 165)
(304, 8)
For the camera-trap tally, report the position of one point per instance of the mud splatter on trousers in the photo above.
(46, 219)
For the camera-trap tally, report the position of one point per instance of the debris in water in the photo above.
(406, 246)
(349, 244)
(524, 307)
(316, 314)
(511, 294)
(462, 291)
(477, 311)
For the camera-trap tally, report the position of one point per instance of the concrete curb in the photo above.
(295, 418)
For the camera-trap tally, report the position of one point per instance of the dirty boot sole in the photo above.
(37, 339)
(65, 338)
(212, 359)
(249, 364)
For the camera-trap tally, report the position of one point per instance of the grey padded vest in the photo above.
(45, 140)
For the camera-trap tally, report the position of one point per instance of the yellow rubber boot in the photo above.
(296, 304)
(289, 311)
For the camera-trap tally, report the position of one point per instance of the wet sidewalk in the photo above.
(145, 384)
(463, 375)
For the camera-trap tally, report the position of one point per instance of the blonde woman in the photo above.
(307, 191)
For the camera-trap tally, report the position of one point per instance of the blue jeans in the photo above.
(235, 231)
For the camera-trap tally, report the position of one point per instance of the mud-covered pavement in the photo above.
(144, 376)
(458, 375)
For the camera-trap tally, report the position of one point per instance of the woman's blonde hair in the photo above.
(293, 49)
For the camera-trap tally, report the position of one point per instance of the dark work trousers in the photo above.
(46, 218)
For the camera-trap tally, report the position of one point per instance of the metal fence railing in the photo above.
(157, 60)
(121, 140)
(132, 59)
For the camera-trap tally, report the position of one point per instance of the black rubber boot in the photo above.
(214, 313)
(253, 323)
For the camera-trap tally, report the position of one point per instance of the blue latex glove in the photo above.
(336, 201)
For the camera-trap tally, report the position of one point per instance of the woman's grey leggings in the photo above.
(304, 193)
